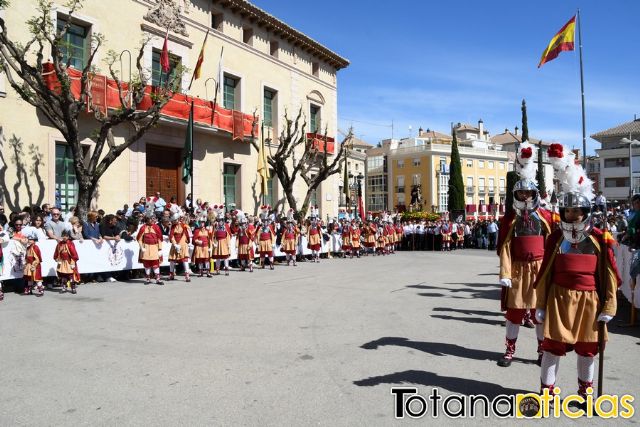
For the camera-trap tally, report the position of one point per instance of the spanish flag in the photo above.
(196, 72)
(563, 40)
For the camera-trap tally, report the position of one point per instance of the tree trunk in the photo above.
(85, 194)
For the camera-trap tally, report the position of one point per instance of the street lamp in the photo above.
(356, 184)
(359, 180)
(631, 143)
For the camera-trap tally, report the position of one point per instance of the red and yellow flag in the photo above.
(196, 72)
(562, 41)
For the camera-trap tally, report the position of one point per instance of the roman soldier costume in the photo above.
(355, 238)
(370, 231)
(202, 248)
(521, 238)
(578, 281)
(67, 258)
(290, 238)
(314, 235)
(221, 241)
(179, 252)
(266, 238)
(150, 240)
(32, 272)
(346, 238)
(244, 243)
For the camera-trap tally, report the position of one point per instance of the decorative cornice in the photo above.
(284, 31)
(166, 15)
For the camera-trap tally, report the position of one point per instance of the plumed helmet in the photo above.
(575, 231)
(521, 205)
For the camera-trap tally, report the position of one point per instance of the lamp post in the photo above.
(631, 143)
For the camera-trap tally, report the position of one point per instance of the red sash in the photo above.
(265, 236)
(150, 239)
(221, 234)
(290, 236)
(313, 231)
(527, 248)
(243, 240)
(575, 271)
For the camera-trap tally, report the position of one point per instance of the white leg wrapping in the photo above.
(185, 264)
(549, 368)
(172, 267)
(218, 264)
(540, 332)
(147, 271)
(512, 330)
(586, 366)
(226, 263)
(156, 271)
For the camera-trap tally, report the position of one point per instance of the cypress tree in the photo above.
(456, 185)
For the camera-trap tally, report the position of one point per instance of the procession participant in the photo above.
(445, 230)
(314, 233)
(150, 240)
(346, 237)
(32, 272)
(390, 235)
(381, 240)
(221, 241)
(290, 238)
(179, 252)
(369, 236)
(521, 238)
(66, 256)
(355, 234)
(266, 238)
(399, 234)
(202, 248)
(460, 232)
(577, 285)
(244, 243)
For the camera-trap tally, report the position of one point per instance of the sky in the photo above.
(430, 63)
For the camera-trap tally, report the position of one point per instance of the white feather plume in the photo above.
(525, 165)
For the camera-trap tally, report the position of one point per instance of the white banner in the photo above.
(623, 259)
(107, 257)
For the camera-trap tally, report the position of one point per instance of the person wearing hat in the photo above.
(179, 252)
(290, 237)
(244, 243)
(369, 231)
(221, 241)
(577, 285)
(32, 272)
(314, 233)
(202, 248)
(346, 237)
(354, 235)
(150, 240)
(66, 257)
(521, 238)
(266, 238)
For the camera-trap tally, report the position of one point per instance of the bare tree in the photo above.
(298, 156)
(63, 110)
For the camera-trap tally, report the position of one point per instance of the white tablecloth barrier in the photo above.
(109, 256)
(623, 259)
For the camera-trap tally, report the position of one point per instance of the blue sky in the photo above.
(427, 64)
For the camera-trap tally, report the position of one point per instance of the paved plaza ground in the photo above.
(316, 344)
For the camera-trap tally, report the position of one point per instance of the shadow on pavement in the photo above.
(477, 320)
(453, 384)
(469, 312)
(435, 348)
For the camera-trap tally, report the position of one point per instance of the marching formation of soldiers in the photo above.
(563, 276)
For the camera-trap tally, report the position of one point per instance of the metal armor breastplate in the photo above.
(528, 225)
(585, 247)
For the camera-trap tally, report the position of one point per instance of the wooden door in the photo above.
(163, 172)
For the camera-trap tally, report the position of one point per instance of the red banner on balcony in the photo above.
(319, 143)
(178, 106)
(471, 208)
(98, 91)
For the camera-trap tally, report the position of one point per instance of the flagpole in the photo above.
(201, 53)
(262, 185)
(584, 128)
(192, 165)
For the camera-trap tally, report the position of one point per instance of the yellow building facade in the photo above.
(425, 161)
(267, 68)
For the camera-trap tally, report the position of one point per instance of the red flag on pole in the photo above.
(363, 214)
(164, 57)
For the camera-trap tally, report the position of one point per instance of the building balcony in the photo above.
(400, 189)
(492, 191)
(471, 189)
(482, 190)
